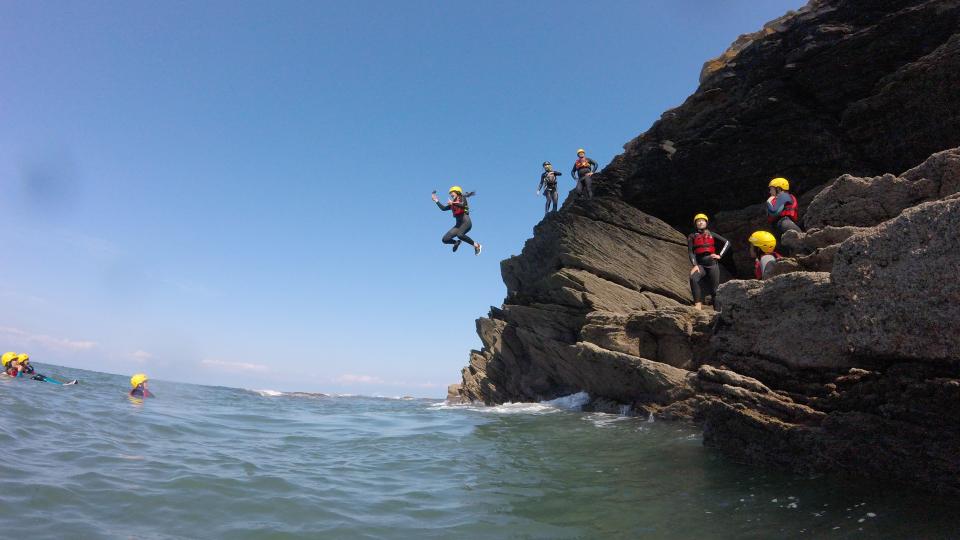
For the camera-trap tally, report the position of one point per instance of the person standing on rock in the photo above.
(763, 247)
(583, 169)
(461, 213)
(702, 248)
(783, 210)
(548, 184)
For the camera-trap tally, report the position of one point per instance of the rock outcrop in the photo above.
(848, 358)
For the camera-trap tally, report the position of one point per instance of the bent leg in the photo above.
(448, 238)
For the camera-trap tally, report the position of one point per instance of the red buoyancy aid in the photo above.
(757, 270)
(791, 210)
(459, 208)
(703, 243)
(582, 163)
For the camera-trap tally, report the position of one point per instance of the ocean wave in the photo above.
(572, 402)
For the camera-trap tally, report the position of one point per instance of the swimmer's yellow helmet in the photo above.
(7, 358)
(455, 189)
(700, 216)
(138, 379)
(23, 358)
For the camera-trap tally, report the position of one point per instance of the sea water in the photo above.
(86, 461)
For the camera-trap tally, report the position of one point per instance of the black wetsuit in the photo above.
(707, 265)
(461, 212)
(583, 169)
(548, 183)
(140, 393)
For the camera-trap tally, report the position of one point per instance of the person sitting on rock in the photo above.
(548, 184)
(702, 248)
(762, 249)
(461, 213)
(783, 210)
(583, 169)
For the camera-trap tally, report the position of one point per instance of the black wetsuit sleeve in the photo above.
(693, 257)
(442, 206)
(573, 171)
(593, 165)
(558, 173)
(726, 243)
(543, 181)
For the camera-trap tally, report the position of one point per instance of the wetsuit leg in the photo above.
(464, 226)
(546, 207)
(552, 199)
(713, 272)
(448, 238)
(695, 285)
(787, 224)
(589, 182)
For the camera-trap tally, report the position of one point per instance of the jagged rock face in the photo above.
(854, 201)
(597, 257)
(898, 292)
(841, 86)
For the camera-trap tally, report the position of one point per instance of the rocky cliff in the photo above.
(847, 360)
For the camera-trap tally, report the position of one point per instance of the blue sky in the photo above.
(237, 193)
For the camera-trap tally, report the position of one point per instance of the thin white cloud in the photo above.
(24, 338)
(233, 366)
(349, 378)
(141, 357)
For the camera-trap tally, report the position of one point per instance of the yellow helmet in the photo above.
(781, 183)
(581, 151)
(138, 379)
(763, 240)
(7, 358)
(455, 188)
(23, 358)
(700, 216)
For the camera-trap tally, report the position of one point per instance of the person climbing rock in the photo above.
(139, 386)
(763, 250)
(548, 184)
(582, 172)
(461, 213)
(702, 248)
(783, 210)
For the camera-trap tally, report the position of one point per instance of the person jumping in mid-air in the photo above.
(702, 248)
(583, 169)
(461, 213)
(548, 184)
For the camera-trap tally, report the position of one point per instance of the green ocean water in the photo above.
(211, 462)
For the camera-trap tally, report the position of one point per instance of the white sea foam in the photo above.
(268, 393)
(573, 402)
